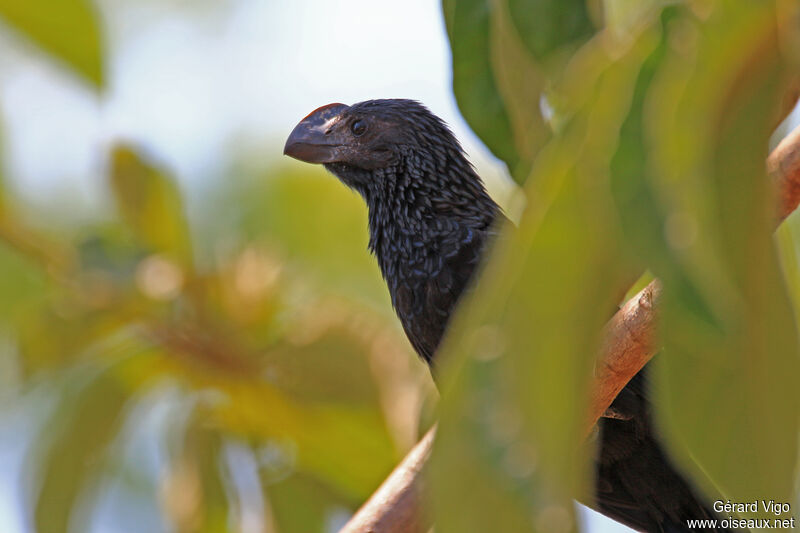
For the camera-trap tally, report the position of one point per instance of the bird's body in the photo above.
(430, 223)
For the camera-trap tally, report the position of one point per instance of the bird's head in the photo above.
(368, 141)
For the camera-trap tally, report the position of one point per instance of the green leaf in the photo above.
(622, 17)
(347, 447)
(340, 437)
(505, 53)
(331, 370)
(694, 199)
(3, 179)
(520, 82)
(24, 287)
(150, 203)
(68, 30)
(549, 26)
(666, 121)
(517, 364)
(302, 504)
(303, 217)
(74, 446)
(469, 29)
(198, 495)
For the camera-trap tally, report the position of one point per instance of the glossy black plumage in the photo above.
(430, 217)
(430, 221)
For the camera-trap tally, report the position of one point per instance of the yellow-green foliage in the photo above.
(647, 152)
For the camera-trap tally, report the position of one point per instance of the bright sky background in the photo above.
(198, 88)
(196, 83)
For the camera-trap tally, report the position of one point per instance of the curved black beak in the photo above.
(311, 140)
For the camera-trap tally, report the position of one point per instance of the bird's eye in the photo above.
(358, 128)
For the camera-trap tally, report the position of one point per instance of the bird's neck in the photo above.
(414, 208)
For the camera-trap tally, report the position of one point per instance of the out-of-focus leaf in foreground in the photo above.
(68, 30)
(728, 375)
(515, 409)
(657, 162)
(297, 504)
(506, 53)
(75, 446)
(474, 28)
(690, 185)
(197, 496)
(23, 287)
(548, 26)
(150, 203)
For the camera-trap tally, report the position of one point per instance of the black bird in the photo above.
(430, 221)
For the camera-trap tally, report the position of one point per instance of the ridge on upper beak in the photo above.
(312, 141)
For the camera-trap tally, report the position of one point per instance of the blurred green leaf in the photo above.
(548, 26)
(347, 447)
(150, 202)
(23, 286)
(340, 437)
(789, 254)
(196, 494)
(623, 16)
(505, 54)
(668, 115)
(688, 165)
(304, 216)
(329, 370)
(476, 91)
(520, 82)
(69, 30)
(727, 376)
(522, 358)
(302, 504)
(3, 191)
(74, 445)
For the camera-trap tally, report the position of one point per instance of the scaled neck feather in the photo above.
(419, 201)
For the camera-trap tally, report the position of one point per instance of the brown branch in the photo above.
(783, 165)
(629, 344)
(395, 507)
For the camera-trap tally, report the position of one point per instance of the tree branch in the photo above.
(783, 165)
(396, 507)
(629, 344)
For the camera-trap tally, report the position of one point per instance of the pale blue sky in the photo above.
(228, 77)
(195, 90)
